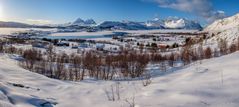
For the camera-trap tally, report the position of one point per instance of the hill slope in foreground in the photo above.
(214, 83)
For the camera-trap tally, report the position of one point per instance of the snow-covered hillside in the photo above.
(211, 84)
(224, 24)
(227, 29)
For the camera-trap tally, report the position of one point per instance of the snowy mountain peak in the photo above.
(81, 22)
(174, 23)
(90, 22)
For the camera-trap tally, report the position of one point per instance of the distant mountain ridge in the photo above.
(21, 25)
(14, 24)
(169, 23)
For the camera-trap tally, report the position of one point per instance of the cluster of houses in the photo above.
(119, 39)
(104, 47)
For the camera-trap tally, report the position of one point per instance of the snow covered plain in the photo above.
(210, 84)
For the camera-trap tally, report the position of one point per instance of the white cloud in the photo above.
(38, 21)
(202, 8)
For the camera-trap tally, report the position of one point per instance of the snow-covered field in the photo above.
(210, 84)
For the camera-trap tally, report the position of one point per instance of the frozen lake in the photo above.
(78, 37)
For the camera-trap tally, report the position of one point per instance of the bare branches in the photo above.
(114, 93)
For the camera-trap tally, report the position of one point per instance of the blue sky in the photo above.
(62, 11)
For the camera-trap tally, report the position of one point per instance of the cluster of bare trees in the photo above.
(90, 64)
(190, 54)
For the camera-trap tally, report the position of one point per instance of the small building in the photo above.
(40, 44)
(63, 43)
(84, 45)
(163, 47)
(100, 46)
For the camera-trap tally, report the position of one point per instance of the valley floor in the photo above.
(214, 83)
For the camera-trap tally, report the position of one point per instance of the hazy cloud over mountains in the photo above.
(38, 21)
(202, 8)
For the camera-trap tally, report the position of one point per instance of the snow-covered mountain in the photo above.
(81, 22)
(227, 29)
(174, 23)
(129, 25)
(155, 23)
(90, 22)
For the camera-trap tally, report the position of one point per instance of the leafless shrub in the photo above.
(114, 93)
(208, 53)
(222, 44)
(233, 48)
(147, 80)
(131, 101)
